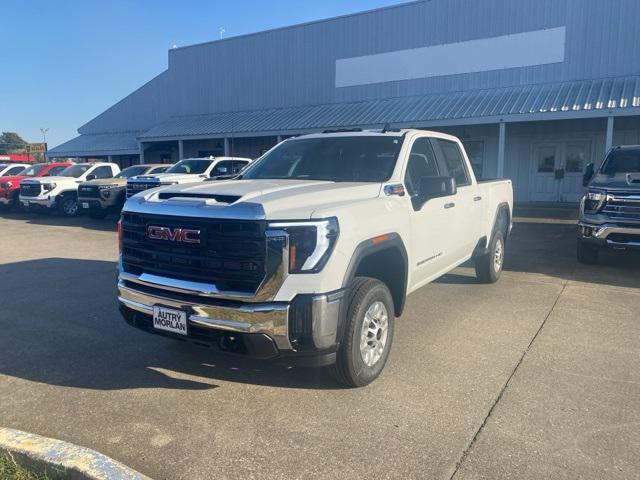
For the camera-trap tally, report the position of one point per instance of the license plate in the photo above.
(85, 205)
(26, 204)
(170, 320)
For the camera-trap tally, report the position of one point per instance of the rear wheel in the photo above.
(489, 266)
(69, 206)
(587, 254)
(368, 333)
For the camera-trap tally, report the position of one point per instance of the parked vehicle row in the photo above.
(309, 253)
(100, 188)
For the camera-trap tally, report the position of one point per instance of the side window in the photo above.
(157, 170)
(454, 161)
(238, 165)
(422, 163)
(54, 171)
(13, 171)
(103, 172)
(225, 167)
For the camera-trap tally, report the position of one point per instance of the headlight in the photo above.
(48, 186)
(166, 183)
(594, 200)
(105, 190)
(6, 185)
(310, 243)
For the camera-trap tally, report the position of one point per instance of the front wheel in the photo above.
(489, 266)
(69, 206)
(368, 334)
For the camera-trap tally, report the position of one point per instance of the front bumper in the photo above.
(610, 235)
(48, 201)
(306, 328)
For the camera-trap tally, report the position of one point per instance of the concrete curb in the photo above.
(56, 457)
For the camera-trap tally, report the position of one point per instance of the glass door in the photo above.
(546, 162)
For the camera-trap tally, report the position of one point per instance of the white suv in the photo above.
(188, 170)
(61, 192)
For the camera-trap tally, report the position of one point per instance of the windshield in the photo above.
(622, 161)
(132, 171)
(336, 159)
(75, 171)
(33, 170)
(190, 166)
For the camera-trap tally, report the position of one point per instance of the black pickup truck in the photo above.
(610, 210)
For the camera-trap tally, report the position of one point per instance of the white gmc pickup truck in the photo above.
(309, 254)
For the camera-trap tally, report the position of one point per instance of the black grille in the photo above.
(30, 189)
(89, 191)
(231, 254)
(137, 187)
(623, 206)
(624, 238)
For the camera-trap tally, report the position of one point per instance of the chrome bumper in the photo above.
(43, 202)
(601, 233)
(270, 318)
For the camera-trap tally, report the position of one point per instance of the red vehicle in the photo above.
(10, 186)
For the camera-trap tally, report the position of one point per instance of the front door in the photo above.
(557, 171)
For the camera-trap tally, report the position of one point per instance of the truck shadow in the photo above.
(548, 248)
(51, 218)
(61, 326)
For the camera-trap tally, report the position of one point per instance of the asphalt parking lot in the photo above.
(537, 376)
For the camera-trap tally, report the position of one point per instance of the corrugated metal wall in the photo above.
(296, 65)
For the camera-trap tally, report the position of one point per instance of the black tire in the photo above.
(489, 266)
(350, 368)
(97, 213)
(587, 254)
(68, 206)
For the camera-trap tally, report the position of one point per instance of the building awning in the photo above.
(518, 103)
(105, 144)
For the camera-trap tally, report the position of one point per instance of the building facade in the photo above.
(536, 89)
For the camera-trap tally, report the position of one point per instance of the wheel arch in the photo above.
(378, 257)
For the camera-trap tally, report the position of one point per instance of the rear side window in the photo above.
(454, 161)
(13, 171)
(224, 167)
(422, 163)
(54, 171)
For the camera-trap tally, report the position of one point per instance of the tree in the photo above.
(11, 141)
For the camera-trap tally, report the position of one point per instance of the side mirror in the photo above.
(91, 176)
(434, 187)
(588, 174)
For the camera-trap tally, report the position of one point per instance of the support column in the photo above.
(501, 147)
(609, 137)
(279, 139)
(180, 149)
(141, 148)
(227, 148)
(110, 158)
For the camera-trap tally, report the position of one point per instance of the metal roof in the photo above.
(98, 145)
(513, 102)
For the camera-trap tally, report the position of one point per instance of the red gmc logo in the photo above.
(183, 235)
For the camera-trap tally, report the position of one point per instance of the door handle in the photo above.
(449, 205)
(477, 199)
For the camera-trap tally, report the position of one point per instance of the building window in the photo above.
(475, 151)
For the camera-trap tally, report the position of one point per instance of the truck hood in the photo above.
(170, 177)
(15, 179)
(121, 182)
(271, 199)
(53, 180)
(619, 181)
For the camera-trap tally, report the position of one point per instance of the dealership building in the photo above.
(536, 89)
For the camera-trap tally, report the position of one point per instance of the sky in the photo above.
(64, 62)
